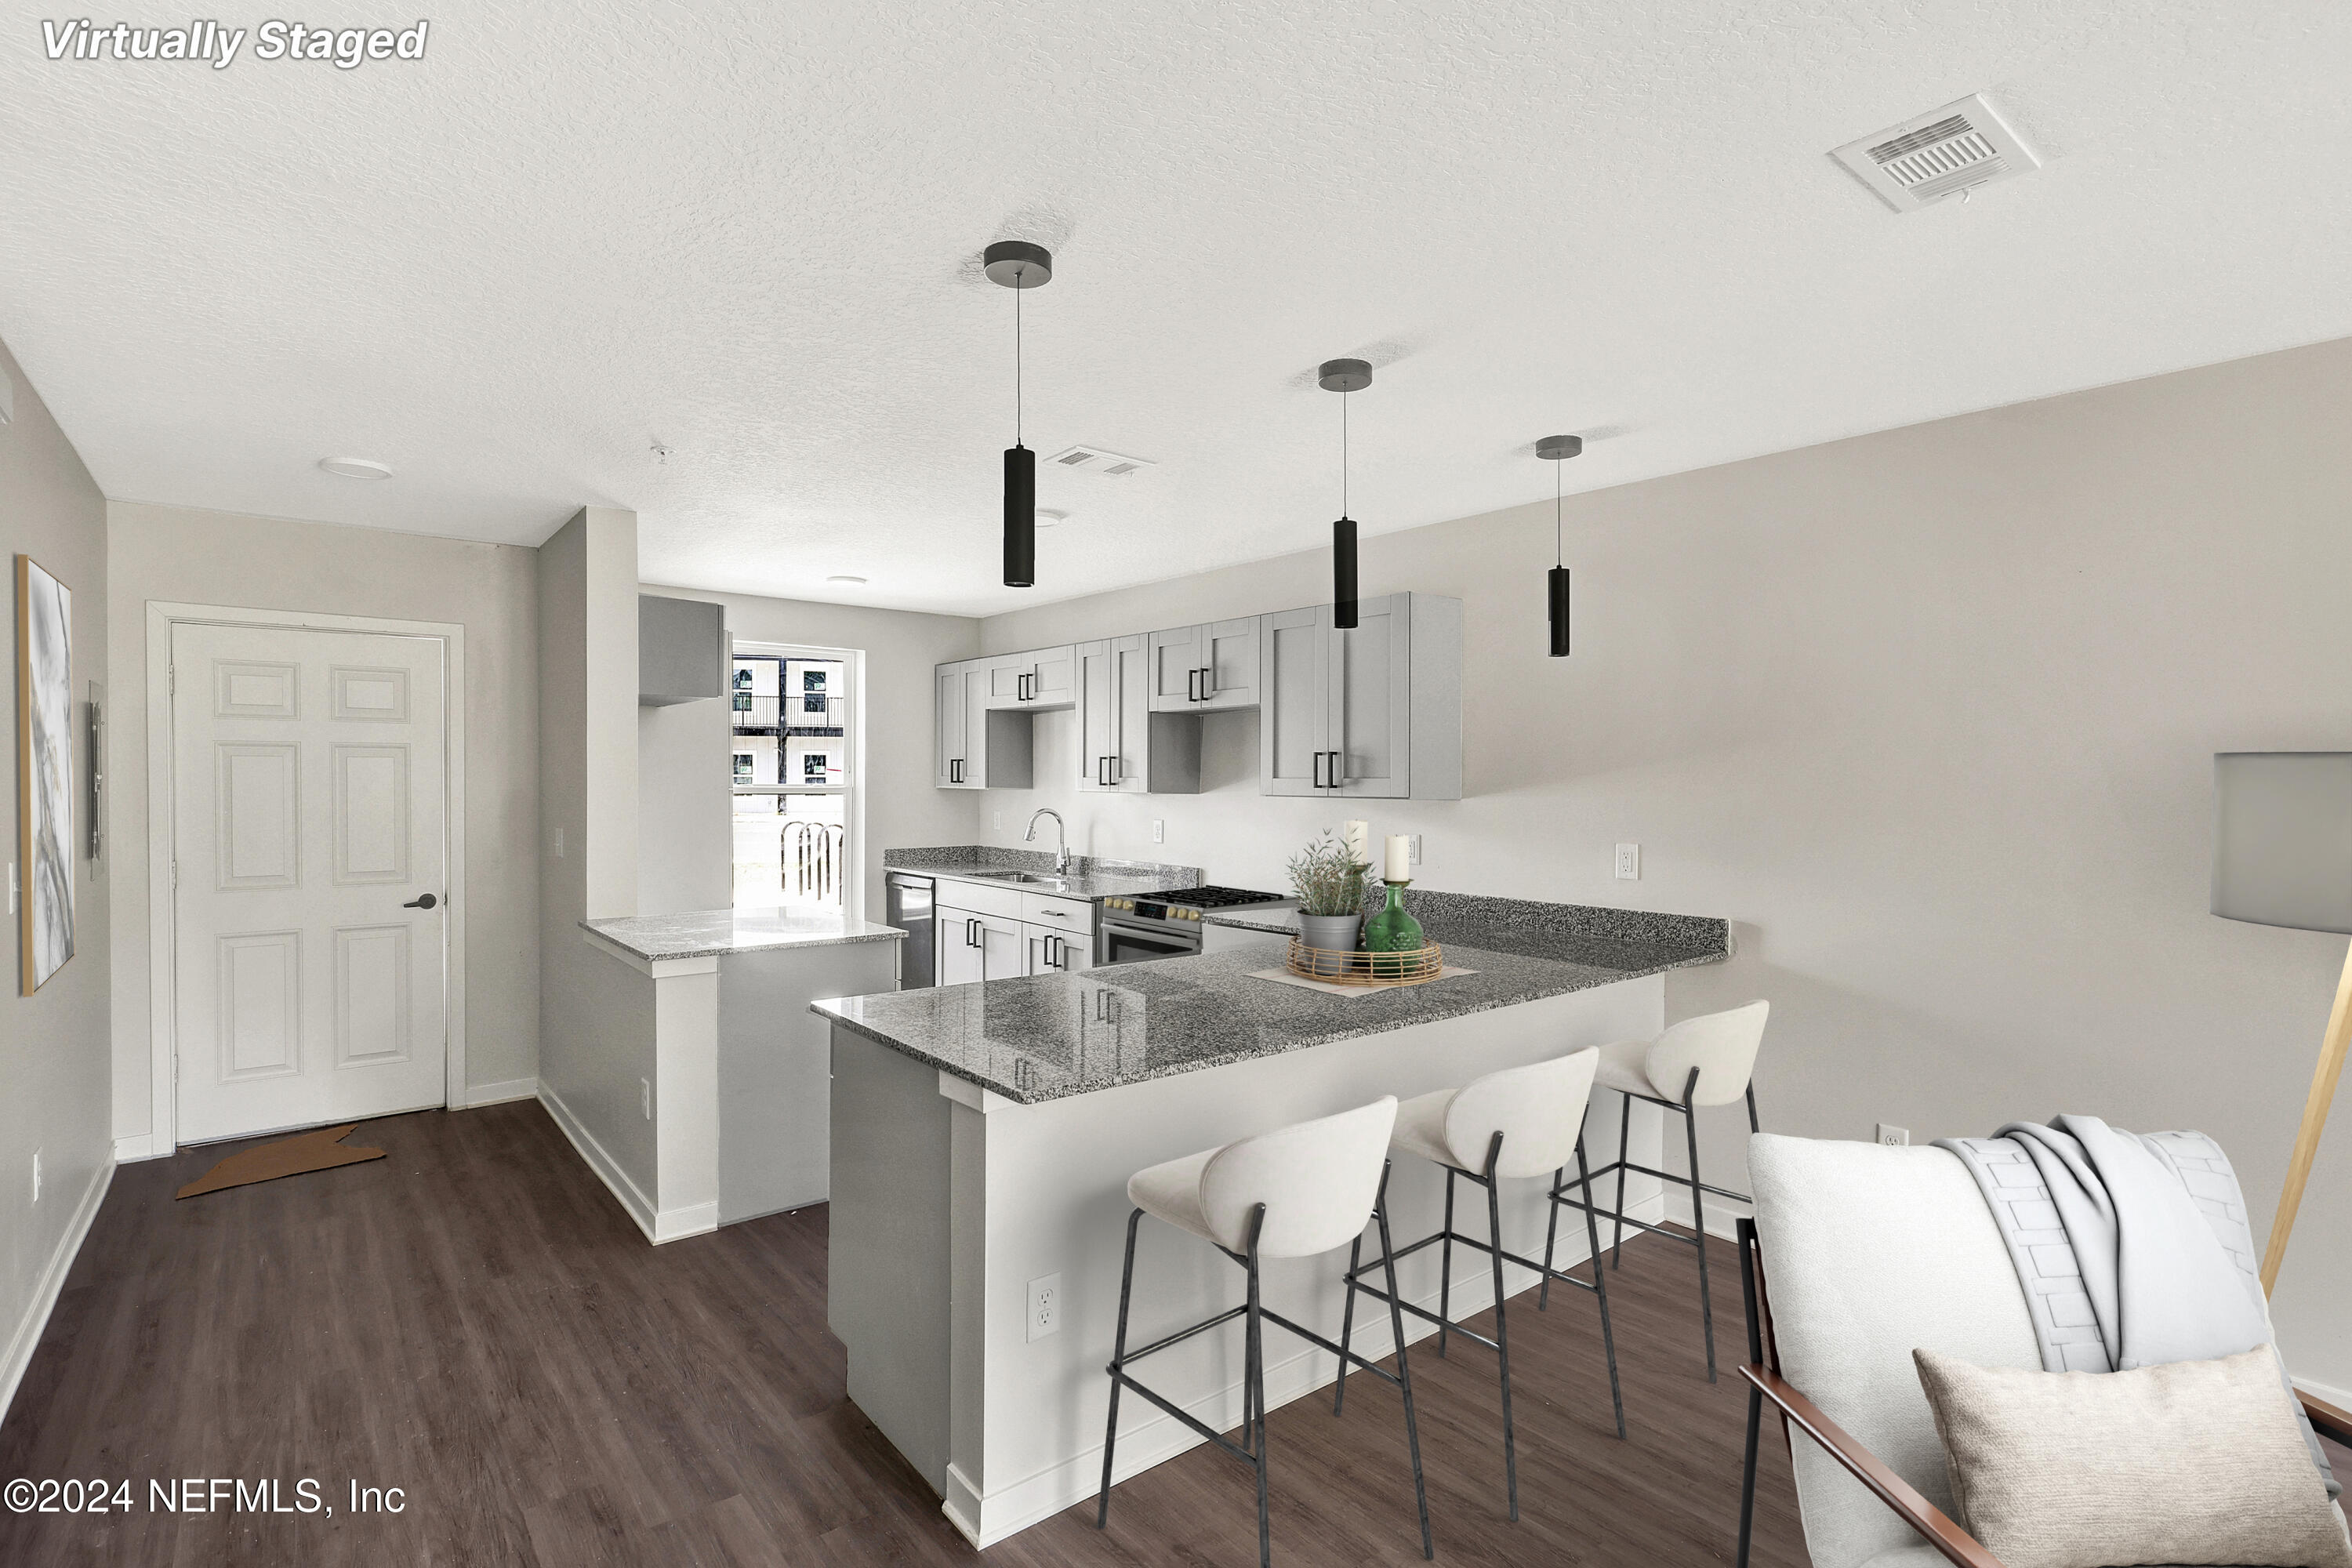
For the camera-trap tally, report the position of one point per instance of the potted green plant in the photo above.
(1330, 883)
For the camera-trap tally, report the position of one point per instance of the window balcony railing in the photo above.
(812, 710)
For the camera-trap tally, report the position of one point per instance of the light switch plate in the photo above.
(1628, 862)
(1158, 830)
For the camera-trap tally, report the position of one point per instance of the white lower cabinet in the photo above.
(974, 947)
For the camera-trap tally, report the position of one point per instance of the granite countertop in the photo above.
(714, 934)
(1089, 876)
(1048, 1036)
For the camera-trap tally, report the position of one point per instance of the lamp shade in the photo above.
(2283, 839)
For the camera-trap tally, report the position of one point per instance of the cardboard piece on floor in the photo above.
(322, 1150)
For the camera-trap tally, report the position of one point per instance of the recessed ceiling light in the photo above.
(847, 581)
(356, 468)
(1051, 517)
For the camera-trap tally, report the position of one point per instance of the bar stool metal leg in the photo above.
(1551, 1231)
(1348, 1310)
(1698, 1221)
(1445, 1268)
(1502, 1333)
(1624, 1157)
(1405, 1375)
(1254, 1396)
(1117, 1357)
(1599, 1288)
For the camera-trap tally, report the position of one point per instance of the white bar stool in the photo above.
(1707, 1060)
(1292, 1192)
(1506, 1126)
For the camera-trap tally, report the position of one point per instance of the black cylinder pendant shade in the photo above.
(1018, 265)
(1020, 518)
(1343, 375)
(1555, 451)
(1343, 573)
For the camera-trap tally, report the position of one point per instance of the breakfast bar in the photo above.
(982, 1137)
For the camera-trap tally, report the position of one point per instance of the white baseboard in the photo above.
(986, 1519)
(513, 1088)
(659, 1225)
(131, 1150)
(28, 1337)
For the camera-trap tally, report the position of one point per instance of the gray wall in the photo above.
(1929, 714)
(53, 1050)
(183, 555)
(901, 649)
(587, 587)
(685, 841)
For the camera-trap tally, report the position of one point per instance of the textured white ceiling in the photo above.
(749, 232)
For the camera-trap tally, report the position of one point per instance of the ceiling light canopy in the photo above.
(1020, 267)
(356, 468)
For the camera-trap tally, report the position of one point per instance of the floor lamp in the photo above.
(2282, 856)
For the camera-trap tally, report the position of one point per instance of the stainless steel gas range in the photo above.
(1168, 925)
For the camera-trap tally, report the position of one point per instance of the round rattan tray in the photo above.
(1418, 967)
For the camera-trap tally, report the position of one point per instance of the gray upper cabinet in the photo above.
(1372, 713)
(1047, 678)
(976, 745)
(1125, 747)
(682, 652)
(1208, 668)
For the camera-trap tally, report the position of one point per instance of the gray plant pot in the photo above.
(1331, 934)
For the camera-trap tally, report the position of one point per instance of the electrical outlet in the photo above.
(36, 1176)
(996, 823)
(1628, 862)
(12, 887)
(646, 1096)
(1158, 830)
(1413, 854)
(1045, 1306)
(555, 843)
(1894, 1136)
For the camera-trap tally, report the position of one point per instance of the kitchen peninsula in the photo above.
(983, 1136)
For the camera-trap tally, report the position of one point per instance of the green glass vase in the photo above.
(1393, 929)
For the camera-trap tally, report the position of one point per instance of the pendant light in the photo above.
(1558, 450)
(1343, 376)
(1019, 266)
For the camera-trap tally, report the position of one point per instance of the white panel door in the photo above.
(308, 822)
(1130, 765)
(1371, 702)
(1098, 715)
(1176, 666)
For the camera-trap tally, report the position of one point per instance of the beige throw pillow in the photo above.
(2198, 1462)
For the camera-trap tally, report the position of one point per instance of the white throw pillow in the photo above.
(2196, 1462)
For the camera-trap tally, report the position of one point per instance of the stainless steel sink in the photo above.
(1026, 878)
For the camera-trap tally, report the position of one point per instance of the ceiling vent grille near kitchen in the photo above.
(1945, 152)
(1096, 460)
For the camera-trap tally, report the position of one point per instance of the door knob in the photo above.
(426, 902)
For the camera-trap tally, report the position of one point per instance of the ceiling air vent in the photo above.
(1095, 460)
(1946, 151)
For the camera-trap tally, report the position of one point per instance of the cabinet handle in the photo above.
(1319, 759)
(1208, 682)
(972, 933)
(1339, 771)
(1102, 770)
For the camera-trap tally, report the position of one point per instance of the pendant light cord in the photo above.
(1343, 453)
(1018, 290)
(1559, 537)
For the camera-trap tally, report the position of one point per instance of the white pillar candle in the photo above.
(1358, 836)
(1400, 866)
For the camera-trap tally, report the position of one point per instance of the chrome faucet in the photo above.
(1061, 838)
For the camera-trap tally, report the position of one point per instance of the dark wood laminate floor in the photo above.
(474, 1321)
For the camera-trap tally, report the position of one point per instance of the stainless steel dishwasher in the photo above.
(910, 906)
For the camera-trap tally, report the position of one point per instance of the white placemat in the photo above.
(1333, 988)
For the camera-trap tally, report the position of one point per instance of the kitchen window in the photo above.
(796, 791)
